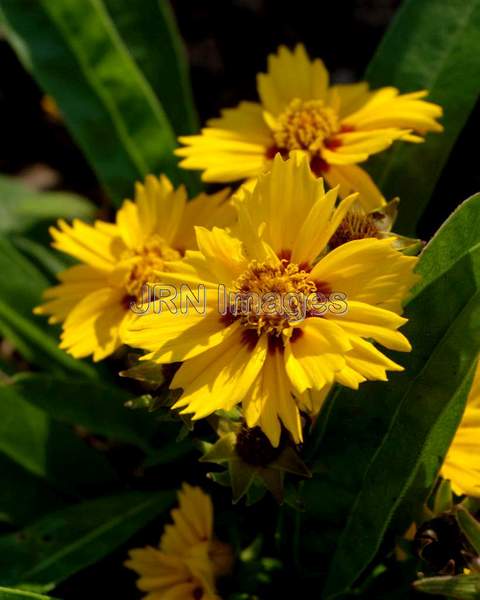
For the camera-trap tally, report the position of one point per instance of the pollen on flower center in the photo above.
(305, 125)
(356, 225)
(271, 297)
(147, 261)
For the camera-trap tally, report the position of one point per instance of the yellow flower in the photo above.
(189, 558)
(462, 463)
(337, 126)
(332, 305)
(93, 298)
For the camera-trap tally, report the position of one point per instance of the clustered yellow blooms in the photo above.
(276, 364)
(280, 233)
(336, 126)
(188, 559)
(93, 299)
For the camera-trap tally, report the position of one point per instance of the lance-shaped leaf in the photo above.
(461, 587)
(10, 594)
(77, 56)
(48, 449)
(470, 527)
(21, 207)
(421, 408)
(151, 34)
(97, 406)
(69, 540)
(21, 285)
(434, 46)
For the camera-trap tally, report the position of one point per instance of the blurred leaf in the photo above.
(461, 587)
(69, 540)
(16, 502)
(420, 409)
(97, 406)
(48, 449)
(443, 500)
(151, 34)
(470, 527)
(435, 46)
(21, 286)
(79, 59)
(21, 207)
(50, 263)
(9, 594)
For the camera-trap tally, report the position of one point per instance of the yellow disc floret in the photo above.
(271, 297)
(305, 125)
(148, 261)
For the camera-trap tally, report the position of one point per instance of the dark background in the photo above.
(227, 43)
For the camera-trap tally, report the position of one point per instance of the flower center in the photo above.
(355, 226)
(269, 299)
(305, 125)
(149, 259)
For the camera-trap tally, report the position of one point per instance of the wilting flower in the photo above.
(462, 463)
(251, 460)
(188, 559)
(337, 126)
(93, 299)
(331, 306)
(359, 224)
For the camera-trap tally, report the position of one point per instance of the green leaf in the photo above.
(435, 46)
(461, 587)
(151, 34)
(97, 406)
(9, 594)
(16, 505)
(78, 58)
(470, 527)
(69, 540)
(21, 286)
(421, 408)
(21, 207)
(48, 449)
(443, 500)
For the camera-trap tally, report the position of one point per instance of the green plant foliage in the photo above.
(434, 46)
(150, 32)
(9, 594)
(22, 207)
(16, 506)
(462, 587)
(423, 409)
(48, 449)
(97, 406)
(21, 286)
(470, 527)
(78, 57)
(66, 541)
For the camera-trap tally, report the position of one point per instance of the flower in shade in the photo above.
(252, 461)
(462, 463)
(270, 357)
(93, 298)
(188, 559)
(337, 126)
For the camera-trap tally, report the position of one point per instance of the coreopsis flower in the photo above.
(462, 463)
(337, 126)
(188, 559)
(93, 299)
(327, 308)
